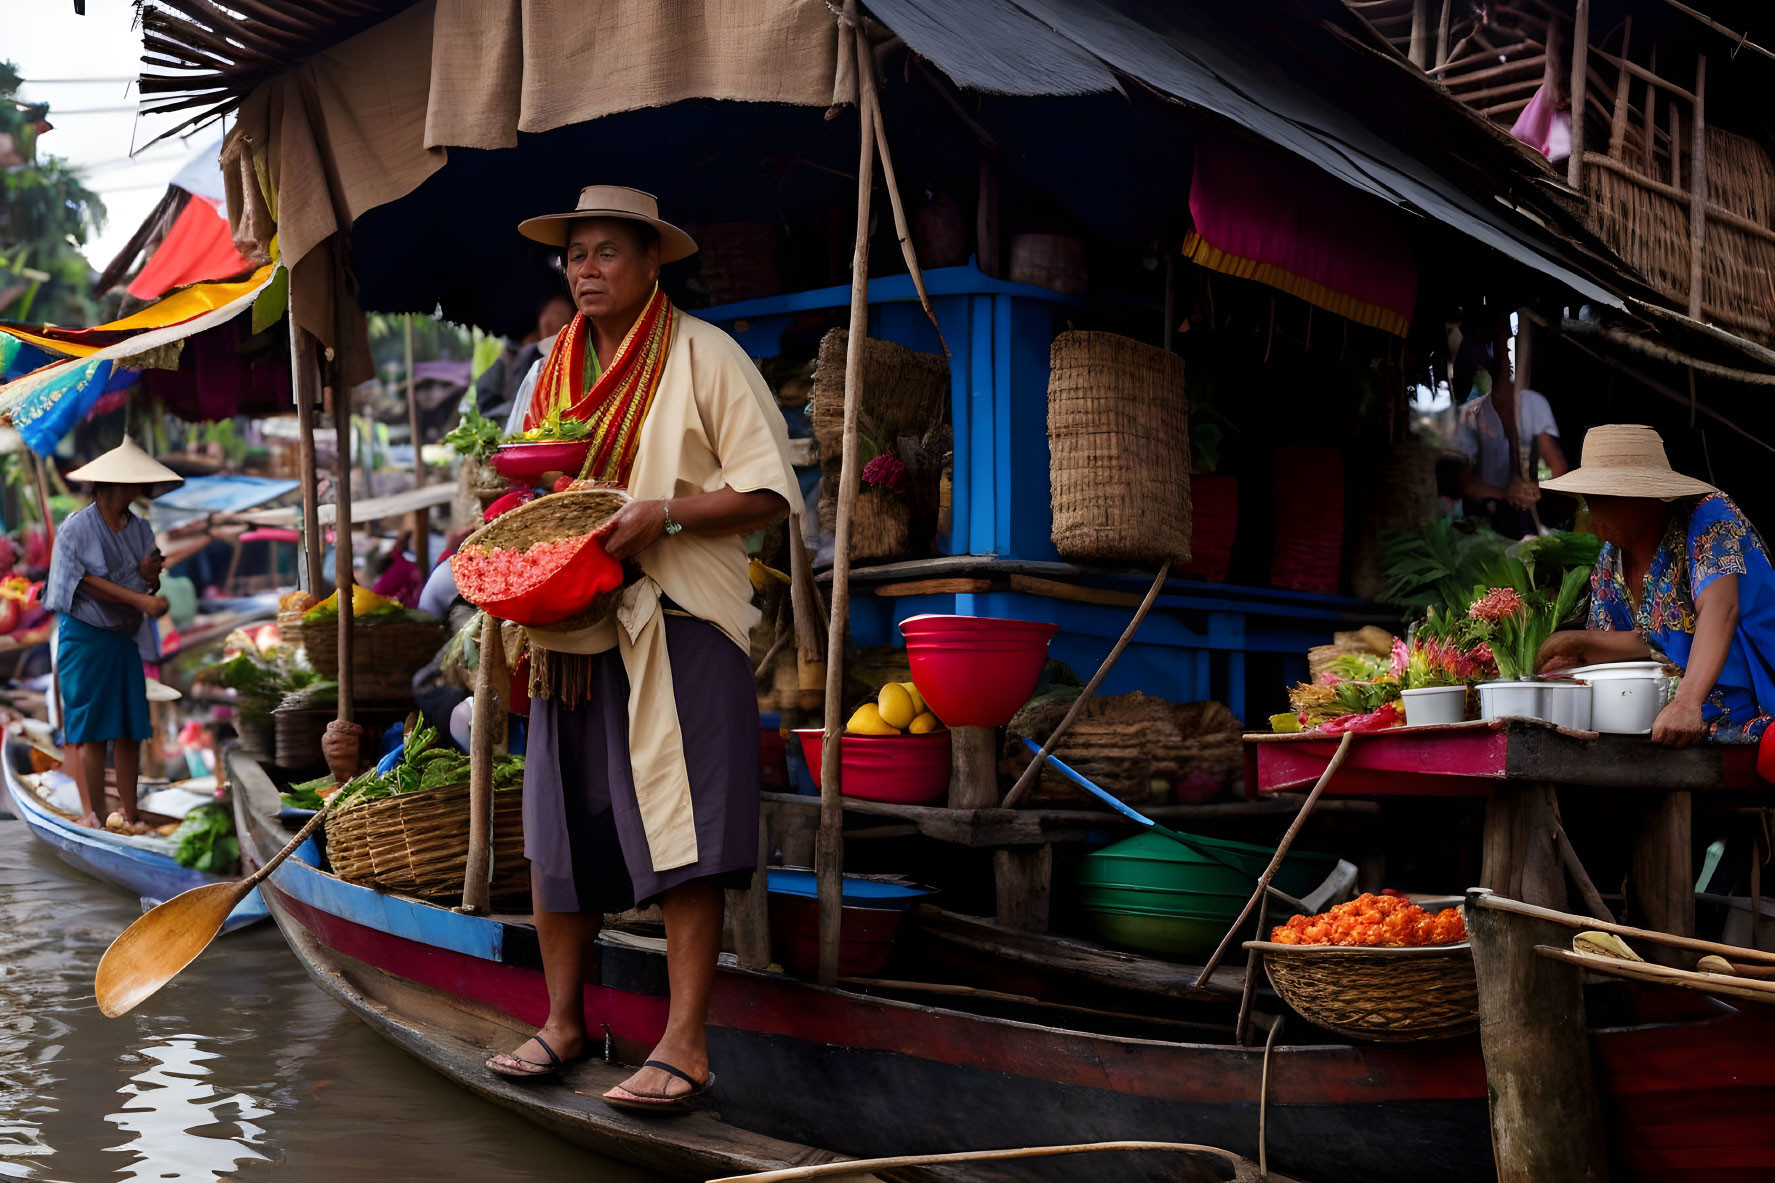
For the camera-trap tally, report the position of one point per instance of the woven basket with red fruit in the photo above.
(1378, 968)
(538, 564)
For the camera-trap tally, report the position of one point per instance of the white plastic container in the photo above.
(1511, 700)
(1567, 704)
(1617, 669)
(1427, 706)
(1626, 706)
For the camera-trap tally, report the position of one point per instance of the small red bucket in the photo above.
(903, 769)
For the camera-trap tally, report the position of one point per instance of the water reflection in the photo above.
(238, 1068)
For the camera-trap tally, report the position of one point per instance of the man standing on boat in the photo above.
(104, 580)
(641, 779)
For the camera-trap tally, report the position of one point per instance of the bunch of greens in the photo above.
(366, 606)
(424, 767)
(1522, 617)
(206, 840)
(555, 429)
(260, 679)
(1321, 703)
(1450, 564)
(307, 794)
(475, 436)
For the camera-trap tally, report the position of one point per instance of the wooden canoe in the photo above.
(144, 867)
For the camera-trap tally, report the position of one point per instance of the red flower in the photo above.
(887, 472)
(1496, 604)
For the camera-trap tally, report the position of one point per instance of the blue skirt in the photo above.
(104, 691)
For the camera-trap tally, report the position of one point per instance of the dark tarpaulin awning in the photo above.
(1231, 67)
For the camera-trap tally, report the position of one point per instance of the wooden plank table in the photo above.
(1516, 765)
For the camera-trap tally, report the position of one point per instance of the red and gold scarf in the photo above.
(617, 403)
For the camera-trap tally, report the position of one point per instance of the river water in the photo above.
(239, 1069)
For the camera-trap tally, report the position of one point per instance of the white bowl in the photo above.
(1626, 706)
(1617, 669)
(1511, 700)
(1427, 706)
(1568, 704)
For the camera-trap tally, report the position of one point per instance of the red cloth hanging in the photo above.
(196, 248)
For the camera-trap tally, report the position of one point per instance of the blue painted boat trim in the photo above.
(114, 860)
(429, 924)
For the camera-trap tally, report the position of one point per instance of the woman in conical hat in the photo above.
(1684, 578)
(104, 580)
(641, 766)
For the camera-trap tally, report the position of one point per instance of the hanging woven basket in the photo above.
(417, 843)
(1119, 452)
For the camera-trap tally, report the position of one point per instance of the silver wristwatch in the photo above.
(672, 527)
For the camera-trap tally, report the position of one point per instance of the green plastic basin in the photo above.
(1151, 860)
(1166, 936)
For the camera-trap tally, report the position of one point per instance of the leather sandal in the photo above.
(662, 1102)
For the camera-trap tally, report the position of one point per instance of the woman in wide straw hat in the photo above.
(1684, 578)
(641, 777)
(104, 579)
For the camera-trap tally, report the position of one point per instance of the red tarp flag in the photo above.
(197, 248)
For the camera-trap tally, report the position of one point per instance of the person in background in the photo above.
(497, 387)
(104, 576)
(1505, 435)
(1683, 578)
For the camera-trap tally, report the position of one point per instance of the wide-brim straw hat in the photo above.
(612, 201)
(127, 464)
(1627, 460)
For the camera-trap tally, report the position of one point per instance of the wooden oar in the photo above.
(165, 939)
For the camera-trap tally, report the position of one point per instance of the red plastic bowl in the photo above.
(530, 462)
(865, 935)
(976, 671)
(904, 769)
(583, 578)
(509, 502)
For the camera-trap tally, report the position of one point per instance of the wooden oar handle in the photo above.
(308, 828)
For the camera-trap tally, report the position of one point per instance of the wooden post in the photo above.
(421, 519)
(1651, 105)
(1442, 32)
(1024, 882)
(491, 686)
(829, 846)
(1698, 189)
(1574, 168)
(1420, 34)
(1546, 1122)
(810, 641)
(1520, 856)
(343, 578)
(973, 769)
(1618, 123)
(42, 483)
(748, 911)
(1662, 873)
(305, 386)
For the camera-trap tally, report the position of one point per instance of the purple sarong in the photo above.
(582, 824)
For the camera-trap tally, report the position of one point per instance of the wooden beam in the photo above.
(1651, 105)
(305, 386)
(1698, 190)
(421, 519)
(1574, 175)
(1521, 857)
(1546, 1119)
(1056, 590)
(1623, 83)
(343, 575)
(829, 846)
(1420, 34)
(1023, 878)
(492, 684)
(973, 769)
(1644, 75)
(933, 587)
(1661, 873)
(1717, 213)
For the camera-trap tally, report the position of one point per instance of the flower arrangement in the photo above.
(1446, 649)
(1516, 623)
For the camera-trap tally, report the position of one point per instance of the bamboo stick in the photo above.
(490, 690)
(1420, 34)
(1442, 23)
(866, 82)
(1651, 105)
(1698, 189)
(861, 1166)
(1034, 771)
(1269, 872)
(343, 576)
(1618, 124)
(42, 483)
(829, 842)
(1488, 899)
(1574, 169)
(304, 383)
(1643, 74)
(419, 518)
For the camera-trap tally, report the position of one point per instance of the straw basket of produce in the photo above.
(1119, 451)
(538, 564)
(1413, 982)
(389, 643)
(406, 830)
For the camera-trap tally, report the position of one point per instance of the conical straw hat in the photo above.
(127, 464)
(1627, 460)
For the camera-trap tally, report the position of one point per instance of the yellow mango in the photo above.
(868, 721)
(895, 706)
(924, 724)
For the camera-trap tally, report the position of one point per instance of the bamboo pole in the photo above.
(1698, 189)
(343, 576)
(42, 483)
(1574, 169)
(829, 843)
(862, 1167)
(491, 683)
(304, 385)
(866, 83)
(421, 518)
(1618, 123)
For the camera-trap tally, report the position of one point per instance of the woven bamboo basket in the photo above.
(384, 657)
(558, 515)
(1384, 994)
(881, 526)
(905, 397)
(417, 844)
(1119, 452)
(256, 736)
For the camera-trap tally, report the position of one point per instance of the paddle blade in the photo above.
(164, 940)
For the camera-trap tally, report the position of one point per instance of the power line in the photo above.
(59, 81)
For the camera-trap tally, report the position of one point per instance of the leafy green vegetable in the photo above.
(307, 794)
(260, 680)
(206, 840)
(425, 767)
(554, 429)
(475, 436)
